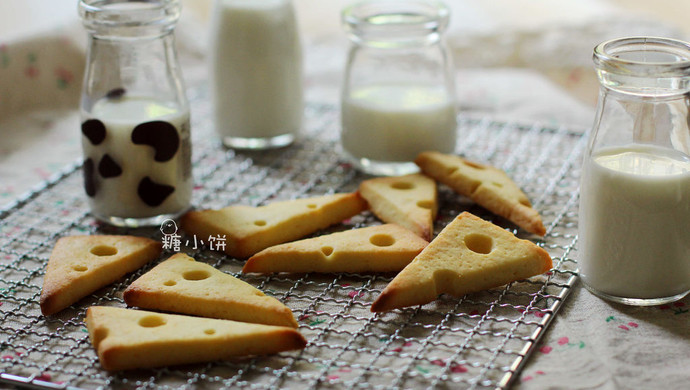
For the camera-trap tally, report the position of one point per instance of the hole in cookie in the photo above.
(169, 283)
(260, 223)
(452, 170)
(311, 206)
(382, 240)
(473, 165)
(104, 250)
(80, 268)
(525, 202)
(210, 331)
(151, 321)
(196, 274)
(327, 250)
(496, 184)
(426, 204)
(402, 185)
(479, 243)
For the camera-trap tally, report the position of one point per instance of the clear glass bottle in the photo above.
(634, 219)
(135, 115)
(256, 73)
(398, 97)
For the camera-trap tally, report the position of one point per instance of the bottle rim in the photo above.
(395, 20)
(644, 57)
(129, 13)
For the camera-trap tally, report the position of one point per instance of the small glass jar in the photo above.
(634, 219)
(398, 97)
(256, 73)
(135, 115)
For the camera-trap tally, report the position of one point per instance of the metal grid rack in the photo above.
(478, 341)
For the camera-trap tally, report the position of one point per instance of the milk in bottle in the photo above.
(256, 73)
(393, 123)
(635, 222)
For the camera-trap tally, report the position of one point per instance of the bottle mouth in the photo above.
(644, 57)
(134, 14)
(395, 21)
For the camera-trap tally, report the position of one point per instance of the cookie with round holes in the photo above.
(132, 339)
(250, 229)
(469, 255)
(410, 201)
(383, 248)
(488, 186)
(181, 284)
(80, 265)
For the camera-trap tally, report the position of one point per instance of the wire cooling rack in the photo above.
(477, 341)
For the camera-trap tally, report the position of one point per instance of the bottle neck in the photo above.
(129, 20)
(645, 84)
(395, 24)
(144, 67)
(644, 67)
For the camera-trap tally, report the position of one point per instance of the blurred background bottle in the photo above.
(398, 97)
(256, 73)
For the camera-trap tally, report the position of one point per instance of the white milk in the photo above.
(118, 196)
(635, 223)
(394, 123)
(256, 63)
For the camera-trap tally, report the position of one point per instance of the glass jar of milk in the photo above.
(398, 97)
(634, 219)
(135, 116)
(256, 73)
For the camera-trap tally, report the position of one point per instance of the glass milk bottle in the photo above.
(634, 220)
(398, 97)
(135, 116)
(256, 73)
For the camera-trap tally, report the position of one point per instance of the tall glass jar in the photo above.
(634, 221)
(256, 73)
(135, 115)
(398, 97)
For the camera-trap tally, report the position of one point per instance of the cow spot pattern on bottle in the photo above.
(159, 135)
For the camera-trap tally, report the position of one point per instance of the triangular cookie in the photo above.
(183, 285)
(130, 339)
(80, 265)
(469, 255)
(489, 187)
(381, 248)
(410, 201)
(250, 229)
